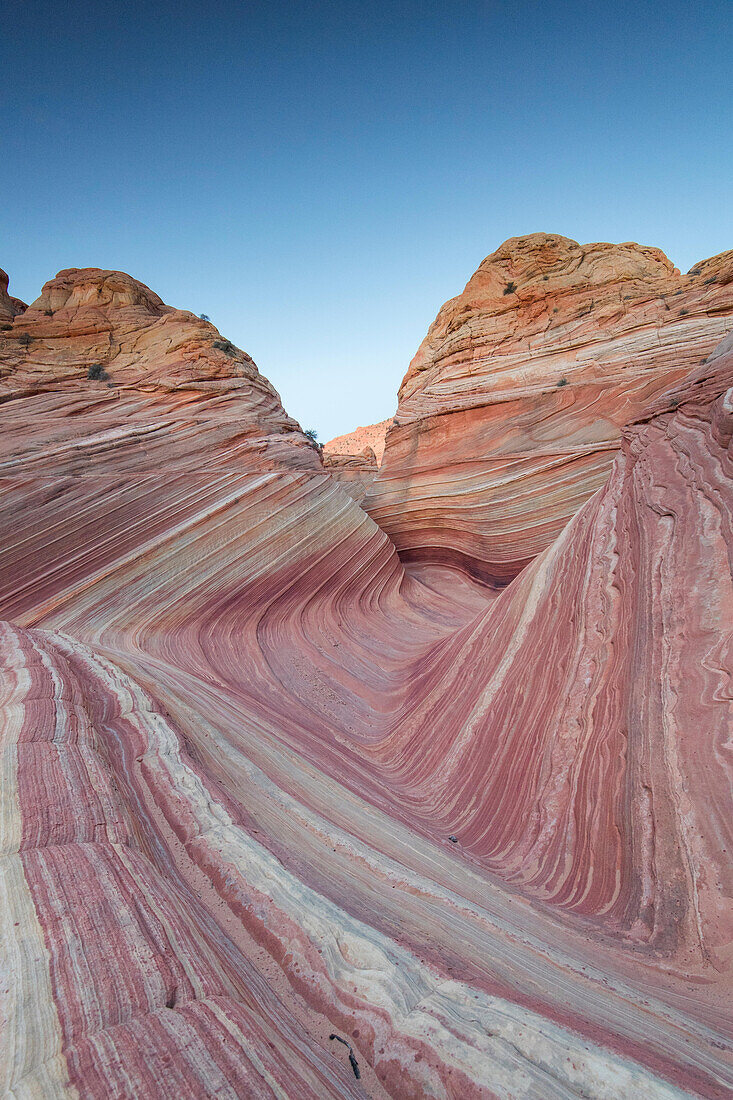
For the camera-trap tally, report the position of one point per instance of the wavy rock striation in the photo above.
(511, 412)
(261, 787)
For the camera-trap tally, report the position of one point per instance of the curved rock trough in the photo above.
(284, 815)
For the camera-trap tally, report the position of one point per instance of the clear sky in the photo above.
(319, 177)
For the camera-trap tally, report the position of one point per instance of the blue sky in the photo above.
(320, 177)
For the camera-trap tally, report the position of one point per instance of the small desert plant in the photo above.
(684, 312)
(226, 346)
(311, 434)
(510, 288)
(97, 373)
(25, 339)
(204, 317)
(562, 382)
(545, 278)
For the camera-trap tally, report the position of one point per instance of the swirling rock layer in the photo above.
(511, 412)
(263, 791)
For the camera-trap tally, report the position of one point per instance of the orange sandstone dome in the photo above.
(511, 413)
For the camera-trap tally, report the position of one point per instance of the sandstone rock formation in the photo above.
(353, 459)
(9, 307)
(280, 819)
(511, 412)
(105, 345)
(354, 443)
(354, 472)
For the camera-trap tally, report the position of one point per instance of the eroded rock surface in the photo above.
(511, 412)
(261, 787)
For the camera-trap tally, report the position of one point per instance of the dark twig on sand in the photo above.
(352, 1059)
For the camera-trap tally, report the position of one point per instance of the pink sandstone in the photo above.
(262, 787)
(511, 413)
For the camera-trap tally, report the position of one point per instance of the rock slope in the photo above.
(511, 412)
(354, 443)
(280, 819)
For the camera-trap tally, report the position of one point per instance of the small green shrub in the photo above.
(311, 434)
(562, 382)
(204, 317)
(25, 339)
(684, 312)
(97, 373)
(510, 288)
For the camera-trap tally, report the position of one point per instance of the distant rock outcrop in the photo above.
(9, 307)
(354, 472)
(355, 443)
(511, 412)
(353, 459)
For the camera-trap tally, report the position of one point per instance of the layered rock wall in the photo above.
(511, 412)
